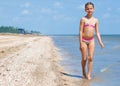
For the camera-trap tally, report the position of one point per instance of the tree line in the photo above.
(11, 29)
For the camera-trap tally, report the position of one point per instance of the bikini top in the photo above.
(86, 24)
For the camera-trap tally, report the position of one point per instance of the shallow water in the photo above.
(106, 65)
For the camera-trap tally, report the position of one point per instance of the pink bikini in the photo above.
(87, 40)
(88, 25)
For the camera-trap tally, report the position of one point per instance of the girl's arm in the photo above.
(98, 35)
(81, 31)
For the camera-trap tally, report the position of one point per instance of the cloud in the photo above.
(25, 12)
(46, 10)
(62, 17)
(58, 5)
(109, 9)
(26, 5)
(58, 17)
(119, 9)
(106, 15)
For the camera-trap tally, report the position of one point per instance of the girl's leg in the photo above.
(91, 47)
(83, 61)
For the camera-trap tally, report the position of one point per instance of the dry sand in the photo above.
(27, 60)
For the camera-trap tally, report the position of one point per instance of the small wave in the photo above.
(116, 47)
(106, 69)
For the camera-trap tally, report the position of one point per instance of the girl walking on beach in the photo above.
(88, 24)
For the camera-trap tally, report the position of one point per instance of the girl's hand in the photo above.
(81, 45)
(102, 45)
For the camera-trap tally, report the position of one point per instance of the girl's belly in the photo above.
(87, 35)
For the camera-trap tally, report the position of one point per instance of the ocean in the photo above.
(106, 63)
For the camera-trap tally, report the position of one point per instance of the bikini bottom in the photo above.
(87, 41)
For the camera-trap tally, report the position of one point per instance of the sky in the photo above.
(58, 16)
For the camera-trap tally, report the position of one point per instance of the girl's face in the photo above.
(89, 9)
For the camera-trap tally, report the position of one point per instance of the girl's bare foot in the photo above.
(88, 77)
(84, 75)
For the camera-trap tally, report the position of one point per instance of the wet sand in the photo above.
(27, 60)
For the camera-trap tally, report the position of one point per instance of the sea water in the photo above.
(106, 63)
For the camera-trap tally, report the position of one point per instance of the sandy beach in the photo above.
(29, 60)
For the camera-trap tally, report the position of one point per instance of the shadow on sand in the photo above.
(81, 81)
(71, 75)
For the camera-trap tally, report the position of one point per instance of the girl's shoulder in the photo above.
(95, 19)
(83, 18)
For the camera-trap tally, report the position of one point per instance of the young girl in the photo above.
(88, 25)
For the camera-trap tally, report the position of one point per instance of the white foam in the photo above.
(104, 69)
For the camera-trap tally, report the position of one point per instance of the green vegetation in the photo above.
(8, 29)
(11, 29)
